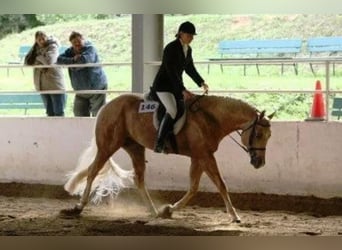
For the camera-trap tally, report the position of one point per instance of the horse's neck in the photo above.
(231, 114)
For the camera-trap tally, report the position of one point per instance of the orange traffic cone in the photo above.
(317, 110)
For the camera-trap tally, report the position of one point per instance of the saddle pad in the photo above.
(152, 107)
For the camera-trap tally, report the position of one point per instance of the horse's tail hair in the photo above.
(108, 183)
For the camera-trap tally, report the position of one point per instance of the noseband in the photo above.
(251, 136)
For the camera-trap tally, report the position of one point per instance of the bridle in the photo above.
(250, 148)
(251, 138)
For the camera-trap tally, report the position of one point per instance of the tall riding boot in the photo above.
(164, 129)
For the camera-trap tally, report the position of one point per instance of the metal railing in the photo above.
(8, 66)
(327, 61)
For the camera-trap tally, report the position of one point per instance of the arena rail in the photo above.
(302, 158)
(326, 61)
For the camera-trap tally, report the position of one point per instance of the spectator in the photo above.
(84, 78)
(45, 52)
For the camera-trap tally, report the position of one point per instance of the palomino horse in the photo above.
(119, 125)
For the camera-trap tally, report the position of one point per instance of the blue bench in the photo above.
(257, 49)
(21, 101)
(23, 50)
(62, 49)
(337, 107)
(329, 45)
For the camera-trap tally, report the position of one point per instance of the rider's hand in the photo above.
(76, 57)
(205, 88)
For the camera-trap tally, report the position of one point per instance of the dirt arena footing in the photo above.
(245, 201)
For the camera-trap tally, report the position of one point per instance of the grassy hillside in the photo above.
(113, 41)
(113, 37)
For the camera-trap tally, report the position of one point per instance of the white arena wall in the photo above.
(303, 158)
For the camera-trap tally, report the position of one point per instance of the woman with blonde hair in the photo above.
(45, 52)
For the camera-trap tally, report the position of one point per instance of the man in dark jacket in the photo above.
(168, 84)
(84, 78)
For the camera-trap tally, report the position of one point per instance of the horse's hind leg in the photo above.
(93, 170)
(108, 140)
(210, 167)
(195, 176)
(137, 154)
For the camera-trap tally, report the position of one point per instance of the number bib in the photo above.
(148, 106)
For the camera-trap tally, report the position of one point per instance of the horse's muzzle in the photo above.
(257, 161)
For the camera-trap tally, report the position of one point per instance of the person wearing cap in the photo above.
(168, 84)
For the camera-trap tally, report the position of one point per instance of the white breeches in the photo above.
(169, 102)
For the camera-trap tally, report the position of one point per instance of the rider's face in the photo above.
(186, 37)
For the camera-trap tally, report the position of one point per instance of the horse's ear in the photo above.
(271, 115)
(262, 114)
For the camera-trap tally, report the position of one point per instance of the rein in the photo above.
(238, 143)
(196, 99)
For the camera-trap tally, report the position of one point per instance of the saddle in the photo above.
(158, 110)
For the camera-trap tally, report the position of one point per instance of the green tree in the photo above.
(15, 23)
(56, 18)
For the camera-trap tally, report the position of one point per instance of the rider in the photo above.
(168, 84)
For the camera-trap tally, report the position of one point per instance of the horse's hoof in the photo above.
(165, 212)
(70, 212)
(237, 221)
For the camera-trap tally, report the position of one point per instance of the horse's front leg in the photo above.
(137, 154)
(209, 165)
(195, 176)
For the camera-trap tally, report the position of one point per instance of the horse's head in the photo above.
(255, 137)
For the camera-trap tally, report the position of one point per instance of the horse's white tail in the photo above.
(109, 182)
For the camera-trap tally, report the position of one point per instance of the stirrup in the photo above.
(159, 147)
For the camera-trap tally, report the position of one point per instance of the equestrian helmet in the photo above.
(187, 27)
